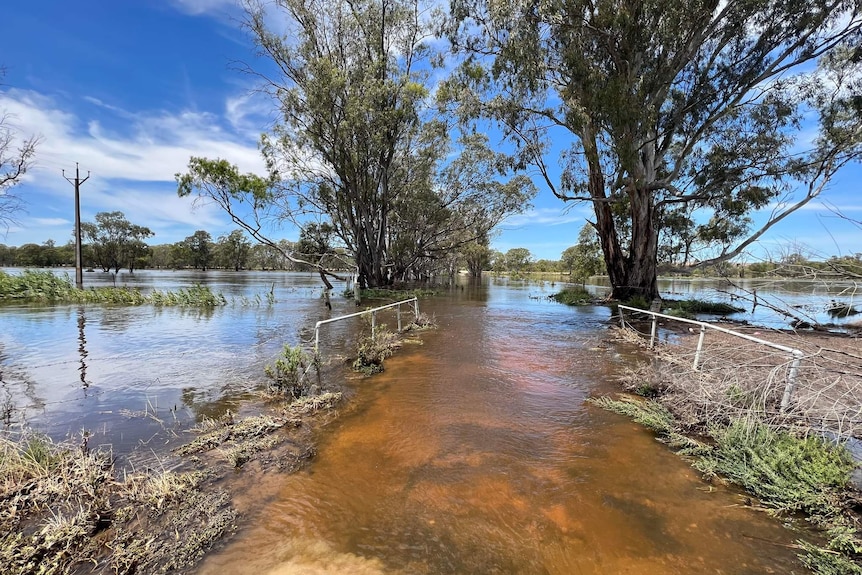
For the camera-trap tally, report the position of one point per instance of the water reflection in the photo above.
(82, 346)
(70, 367)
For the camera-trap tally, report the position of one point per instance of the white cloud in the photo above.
(197, 7)
(132, 158)
(549, 216)
(52, 221)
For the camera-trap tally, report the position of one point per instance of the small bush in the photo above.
(288, 375)
(371, 352)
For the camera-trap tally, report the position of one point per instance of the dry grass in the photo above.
(738, 379)
(62, 510)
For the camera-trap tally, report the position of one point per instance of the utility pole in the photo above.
(79, 272)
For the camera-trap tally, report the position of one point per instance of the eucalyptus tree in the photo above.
(357, 147)
(232, 250)
(350, 88)
(665, 103)
(456, 209)
(200, 249)
(114, 241)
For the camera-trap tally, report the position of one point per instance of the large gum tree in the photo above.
(356, 146)
(670, 106)
(349, 91)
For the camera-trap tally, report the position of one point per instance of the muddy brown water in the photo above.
(475, 452)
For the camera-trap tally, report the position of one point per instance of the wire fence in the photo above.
(712, 373)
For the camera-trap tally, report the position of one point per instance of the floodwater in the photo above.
(135, 376)
(476, 453)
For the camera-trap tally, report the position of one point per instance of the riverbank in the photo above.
(739, 419)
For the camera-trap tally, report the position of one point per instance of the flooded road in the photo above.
(475, 453)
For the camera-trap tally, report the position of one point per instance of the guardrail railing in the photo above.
(397, 305)
(794, 355)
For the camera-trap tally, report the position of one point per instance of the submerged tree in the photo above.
(199, 247)
(667, 104)
(233, 250)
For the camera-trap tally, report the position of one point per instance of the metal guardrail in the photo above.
(373, 313)
(795, 354)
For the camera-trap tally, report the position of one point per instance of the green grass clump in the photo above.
(289, 374)
(785, 472)
(573, 296)
(788, 474)
(43, 286)
(692, 307)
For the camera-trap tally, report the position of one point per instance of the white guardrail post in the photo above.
(373, 312)
(699, 347)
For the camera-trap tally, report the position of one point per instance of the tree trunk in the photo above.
(641, 275)
(635, 274)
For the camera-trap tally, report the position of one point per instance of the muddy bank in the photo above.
(65, 508)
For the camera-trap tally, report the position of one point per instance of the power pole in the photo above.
(79, 272)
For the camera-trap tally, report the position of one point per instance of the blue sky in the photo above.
(131, 89)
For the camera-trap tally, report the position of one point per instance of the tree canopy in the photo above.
(114, 242)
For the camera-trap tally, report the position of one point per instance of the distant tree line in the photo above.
(112, 243)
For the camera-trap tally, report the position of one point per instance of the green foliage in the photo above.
(289, 374)
(43, 286)
(573, 296)
(693, 307)
(114, 242)
(584, 259)
(783, 471)
(517, 259)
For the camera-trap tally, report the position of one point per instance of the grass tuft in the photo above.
(573, 296)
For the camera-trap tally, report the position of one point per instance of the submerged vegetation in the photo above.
(576, 295)
(373, 349)
(289, 375)
(689, 308)
(43, 286)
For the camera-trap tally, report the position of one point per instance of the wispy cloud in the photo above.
(197, 7)
(52, 221)
(549, 216)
